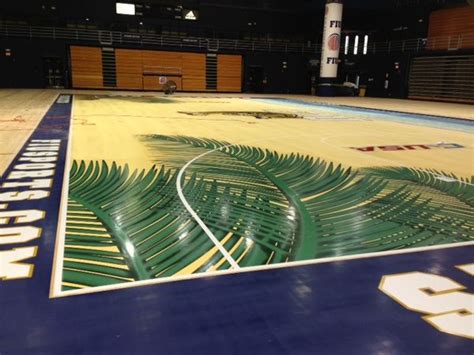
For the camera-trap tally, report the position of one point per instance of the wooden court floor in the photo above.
(143, 189)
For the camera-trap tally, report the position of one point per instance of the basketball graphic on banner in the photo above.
(334, 41)
(331, 39)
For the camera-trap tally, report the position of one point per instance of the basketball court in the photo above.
(236, 177)
(176, 196)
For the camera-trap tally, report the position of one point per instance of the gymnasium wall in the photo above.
(87, 67)
(451, 29)
(446, 71)
(292, 78)
(137, 69)
(25, 67)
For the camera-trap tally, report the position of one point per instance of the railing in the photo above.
(451, 43)
(110, 38)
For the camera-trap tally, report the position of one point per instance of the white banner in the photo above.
(331, 40)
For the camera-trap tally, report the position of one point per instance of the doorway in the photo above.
(255, 77)
(53, 72)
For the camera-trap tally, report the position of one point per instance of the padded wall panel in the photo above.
(229, 73)
(451, 29)
(86, 67)
(129, 69)
(162, 62)
(140, 69)
(194, 71)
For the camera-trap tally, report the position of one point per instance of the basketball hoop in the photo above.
(164, 78)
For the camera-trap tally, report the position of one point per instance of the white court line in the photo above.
(193, 213)
(58, 258)
(260, 268)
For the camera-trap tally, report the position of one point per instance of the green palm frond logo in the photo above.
(262, 206)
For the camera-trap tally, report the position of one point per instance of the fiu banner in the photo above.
(331, 39)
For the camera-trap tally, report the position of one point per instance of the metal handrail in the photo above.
(97, 36)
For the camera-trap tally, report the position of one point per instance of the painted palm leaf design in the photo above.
(334, 210)
(263, 207)
(420, 180)
(137, 228)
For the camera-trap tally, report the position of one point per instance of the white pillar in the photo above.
(331, 44)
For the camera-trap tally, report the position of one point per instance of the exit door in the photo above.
(53, 70)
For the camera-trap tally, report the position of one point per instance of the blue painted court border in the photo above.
(330, 308)
(55, 125)
(445, 122)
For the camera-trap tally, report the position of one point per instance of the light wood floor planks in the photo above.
(110, 129)
(20, 112)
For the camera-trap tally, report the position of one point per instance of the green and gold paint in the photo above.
(126, 222)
